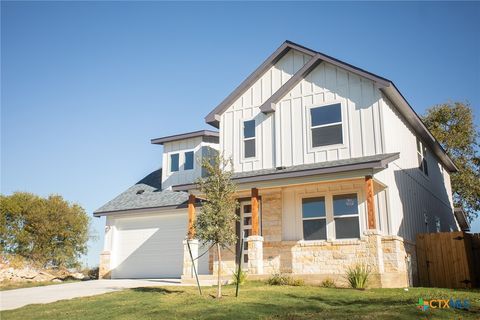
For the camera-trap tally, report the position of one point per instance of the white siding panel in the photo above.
(297, 136)
(180, 147)
(411, 193)
(247, 108)
(331, 85)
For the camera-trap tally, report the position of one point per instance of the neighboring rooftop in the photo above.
(145, 194)
(188, 135)
(379, 161)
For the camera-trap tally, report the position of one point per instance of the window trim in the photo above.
(329, 214)
(309, 126)
(255, 137)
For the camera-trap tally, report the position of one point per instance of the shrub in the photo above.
(279, 279)
(91, 273)
(357, 275)
(328, 283)
(241, 278)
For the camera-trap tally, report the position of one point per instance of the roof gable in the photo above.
(213, 117)
(387, 87)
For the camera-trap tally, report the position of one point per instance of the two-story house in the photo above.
(333, 167)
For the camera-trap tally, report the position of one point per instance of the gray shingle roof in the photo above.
(379, 161)
(152, 196)
(319, 165)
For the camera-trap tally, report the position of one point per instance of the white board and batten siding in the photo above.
(247, 106)
(198, 145)
(148, 245)
(412, 194)
(282, 138)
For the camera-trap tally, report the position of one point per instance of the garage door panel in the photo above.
(149, 247)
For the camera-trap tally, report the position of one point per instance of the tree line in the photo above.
(48, 232)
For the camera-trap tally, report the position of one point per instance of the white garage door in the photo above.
(151, 246)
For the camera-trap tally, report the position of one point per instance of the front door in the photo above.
(245, 229)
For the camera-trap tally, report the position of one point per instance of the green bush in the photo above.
(328, 283)
(357, 275)
(279, 279)
(241, 278)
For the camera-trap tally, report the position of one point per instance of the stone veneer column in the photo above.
(104, 267)
(187, 260)
(255, 254)
(375, 250)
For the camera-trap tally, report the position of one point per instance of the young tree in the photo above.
(49, 232)
(216, 223)
(453, 126)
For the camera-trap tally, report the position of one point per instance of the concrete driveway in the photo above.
(12, 299)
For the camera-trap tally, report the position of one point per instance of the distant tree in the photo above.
(453, 126)
(216, 223)
(49, 232)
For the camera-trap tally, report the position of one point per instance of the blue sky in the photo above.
(86, 85)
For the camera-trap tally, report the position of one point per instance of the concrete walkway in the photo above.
(12, 299)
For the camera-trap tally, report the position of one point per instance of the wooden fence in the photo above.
(448, 259)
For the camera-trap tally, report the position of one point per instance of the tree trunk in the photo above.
(219, 284)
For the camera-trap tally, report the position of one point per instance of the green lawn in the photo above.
(256, 301)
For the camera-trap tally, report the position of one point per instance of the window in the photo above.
(340, 211)
(314, 218)
(422, 157)
(345, 214)
(188, 160)
(249, 139)
(438, 225)
(174, 162)
(326, 125)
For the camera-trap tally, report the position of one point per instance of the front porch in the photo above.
(314, 231)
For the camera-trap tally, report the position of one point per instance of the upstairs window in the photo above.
(314, 219)
(188, 160)
(438, 225)
(345, 214)
(174, 160)
(249, 139)
(326, 125)
(422, 157)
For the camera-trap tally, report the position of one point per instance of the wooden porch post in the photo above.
(254, 203)
(191, 216)
(370, 202)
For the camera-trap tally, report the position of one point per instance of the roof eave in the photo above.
(182, 136)
(374, 164)
(213, 117)
(184, 205)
